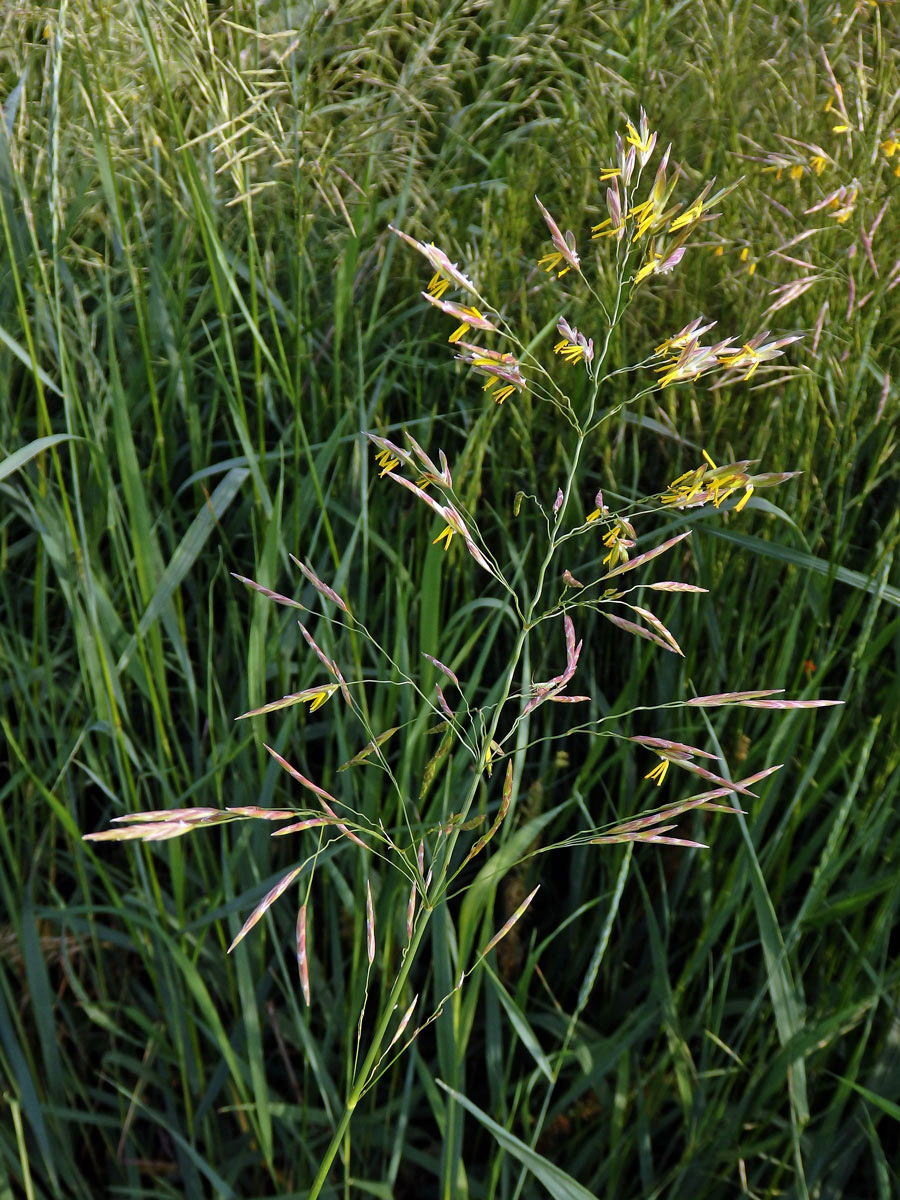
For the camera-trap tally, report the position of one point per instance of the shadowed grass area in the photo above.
(200, 309)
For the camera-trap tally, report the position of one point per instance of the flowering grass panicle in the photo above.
(589, 546)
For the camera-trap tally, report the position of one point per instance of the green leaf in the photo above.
(23, 356)
(480, 892)
(560, 1185)
(887, 1106)
(807, 562)
(186, 553)
(25, 453)
(525, 1033)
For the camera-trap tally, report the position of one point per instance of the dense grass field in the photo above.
(202, 309)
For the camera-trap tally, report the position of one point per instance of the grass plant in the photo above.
(201, 307)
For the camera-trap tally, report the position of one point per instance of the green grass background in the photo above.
(200, 309)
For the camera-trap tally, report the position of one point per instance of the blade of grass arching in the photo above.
(787, 1004)
(369, 1187)
(560, 1185)
(186, 554)
(188, 1150)
(430, 1091)
(15, 461)
(17, 349)
(886, 1106)
(808, 562)
(59, 809)
(854, 683)
(520, 1025)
